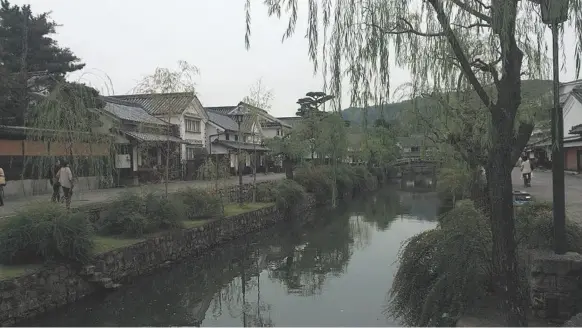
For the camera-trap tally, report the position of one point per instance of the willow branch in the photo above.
(489, 68)
(470, 10)
(410, 30)
(459, 53)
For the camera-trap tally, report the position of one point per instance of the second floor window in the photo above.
(227, 136)
(192, 125)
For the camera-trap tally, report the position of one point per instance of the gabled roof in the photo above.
(129, 111)
(161, 103)
(224, 110)
(264, 114)
(266, 118)
(221, 120)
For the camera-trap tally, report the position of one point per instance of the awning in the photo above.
(243, 145)
(150, 137)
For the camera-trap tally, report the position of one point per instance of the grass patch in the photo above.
(13, 271)
(193, 224)
(235, 209)
(105, 244)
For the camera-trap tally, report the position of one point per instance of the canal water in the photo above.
(334, 270)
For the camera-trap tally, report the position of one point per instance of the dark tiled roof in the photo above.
(412, 141)
(161, 103)
(221, 120)
(577, 93)
(150, 137)
(291, 121)
(265, 118)
(129, 111)
(243, 145)
(576, 129)
(224, 110)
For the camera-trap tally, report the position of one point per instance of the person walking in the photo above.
(54, 181)
(526, 168)
(2, 184)
(65, 178)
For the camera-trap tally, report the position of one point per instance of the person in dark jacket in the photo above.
(54, 181)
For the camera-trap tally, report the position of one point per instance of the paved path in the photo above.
(541, 188)
(92, 197)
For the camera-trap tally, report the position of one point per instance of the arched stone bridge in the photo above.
(415, 164)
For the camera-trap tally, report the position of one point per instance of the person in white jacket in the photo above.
(526, 171)
(65, 178)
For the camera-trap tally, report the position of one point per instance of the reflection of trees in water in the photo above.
(380, 208)
(234, 296)
(301, 258)
(323, 249)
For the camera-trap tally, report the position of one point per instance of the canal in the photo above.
(335, 268)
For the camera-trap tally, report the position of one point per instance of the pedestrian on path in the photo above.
(2, 184)
(526, 171)
(54, 181)
(65, 178)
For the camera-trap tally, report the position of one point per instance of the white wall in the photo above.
(572, 115)
(270, 132)
(107, 124)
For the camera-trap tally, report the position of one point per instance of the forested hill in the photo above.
(530, 88)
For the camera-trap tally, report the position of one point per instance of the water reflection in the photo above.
(335, 269)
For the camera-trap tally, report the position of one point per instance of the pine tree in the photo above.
(30, 60)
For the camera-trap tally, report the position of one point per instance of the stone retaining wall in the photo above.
(555, 285)
(53, 286)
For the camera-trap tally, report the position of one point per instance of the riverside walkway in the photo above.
(100, 196)
(541, 189)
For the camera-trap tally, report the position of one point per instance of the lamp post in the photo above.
(555, 12)
(218, 133)
(238, 117)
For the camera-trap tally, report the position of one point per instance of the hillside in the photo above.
(530, 89)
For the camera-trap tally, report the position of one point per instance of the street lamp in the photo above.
(555, 12)
(238, 116)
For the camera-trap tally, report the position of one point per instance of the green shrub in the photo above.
(200, 204)
(287, 194)
(345, 179)
(265, 192)
(316, 180)
(443, 270)
(449, 268)
(535, 228)
(45, 231)
(364, 180)
(163, 213)
(133, 214)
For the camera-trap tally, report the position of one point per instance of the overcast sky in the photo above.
(124, 40)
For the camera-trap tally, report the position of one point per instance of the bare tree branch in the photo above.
(399, 30)
(459, 53)
(471, 11)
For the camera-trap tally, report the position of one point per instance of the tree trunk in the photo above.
(288, 167)
(500, 194)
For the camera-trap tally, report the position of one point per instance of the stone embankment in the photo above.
(53, 286)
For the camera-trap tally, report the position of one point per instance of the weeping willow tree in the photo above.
(164, 81)
(61, 126)
(259, 98)
(446, 45)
